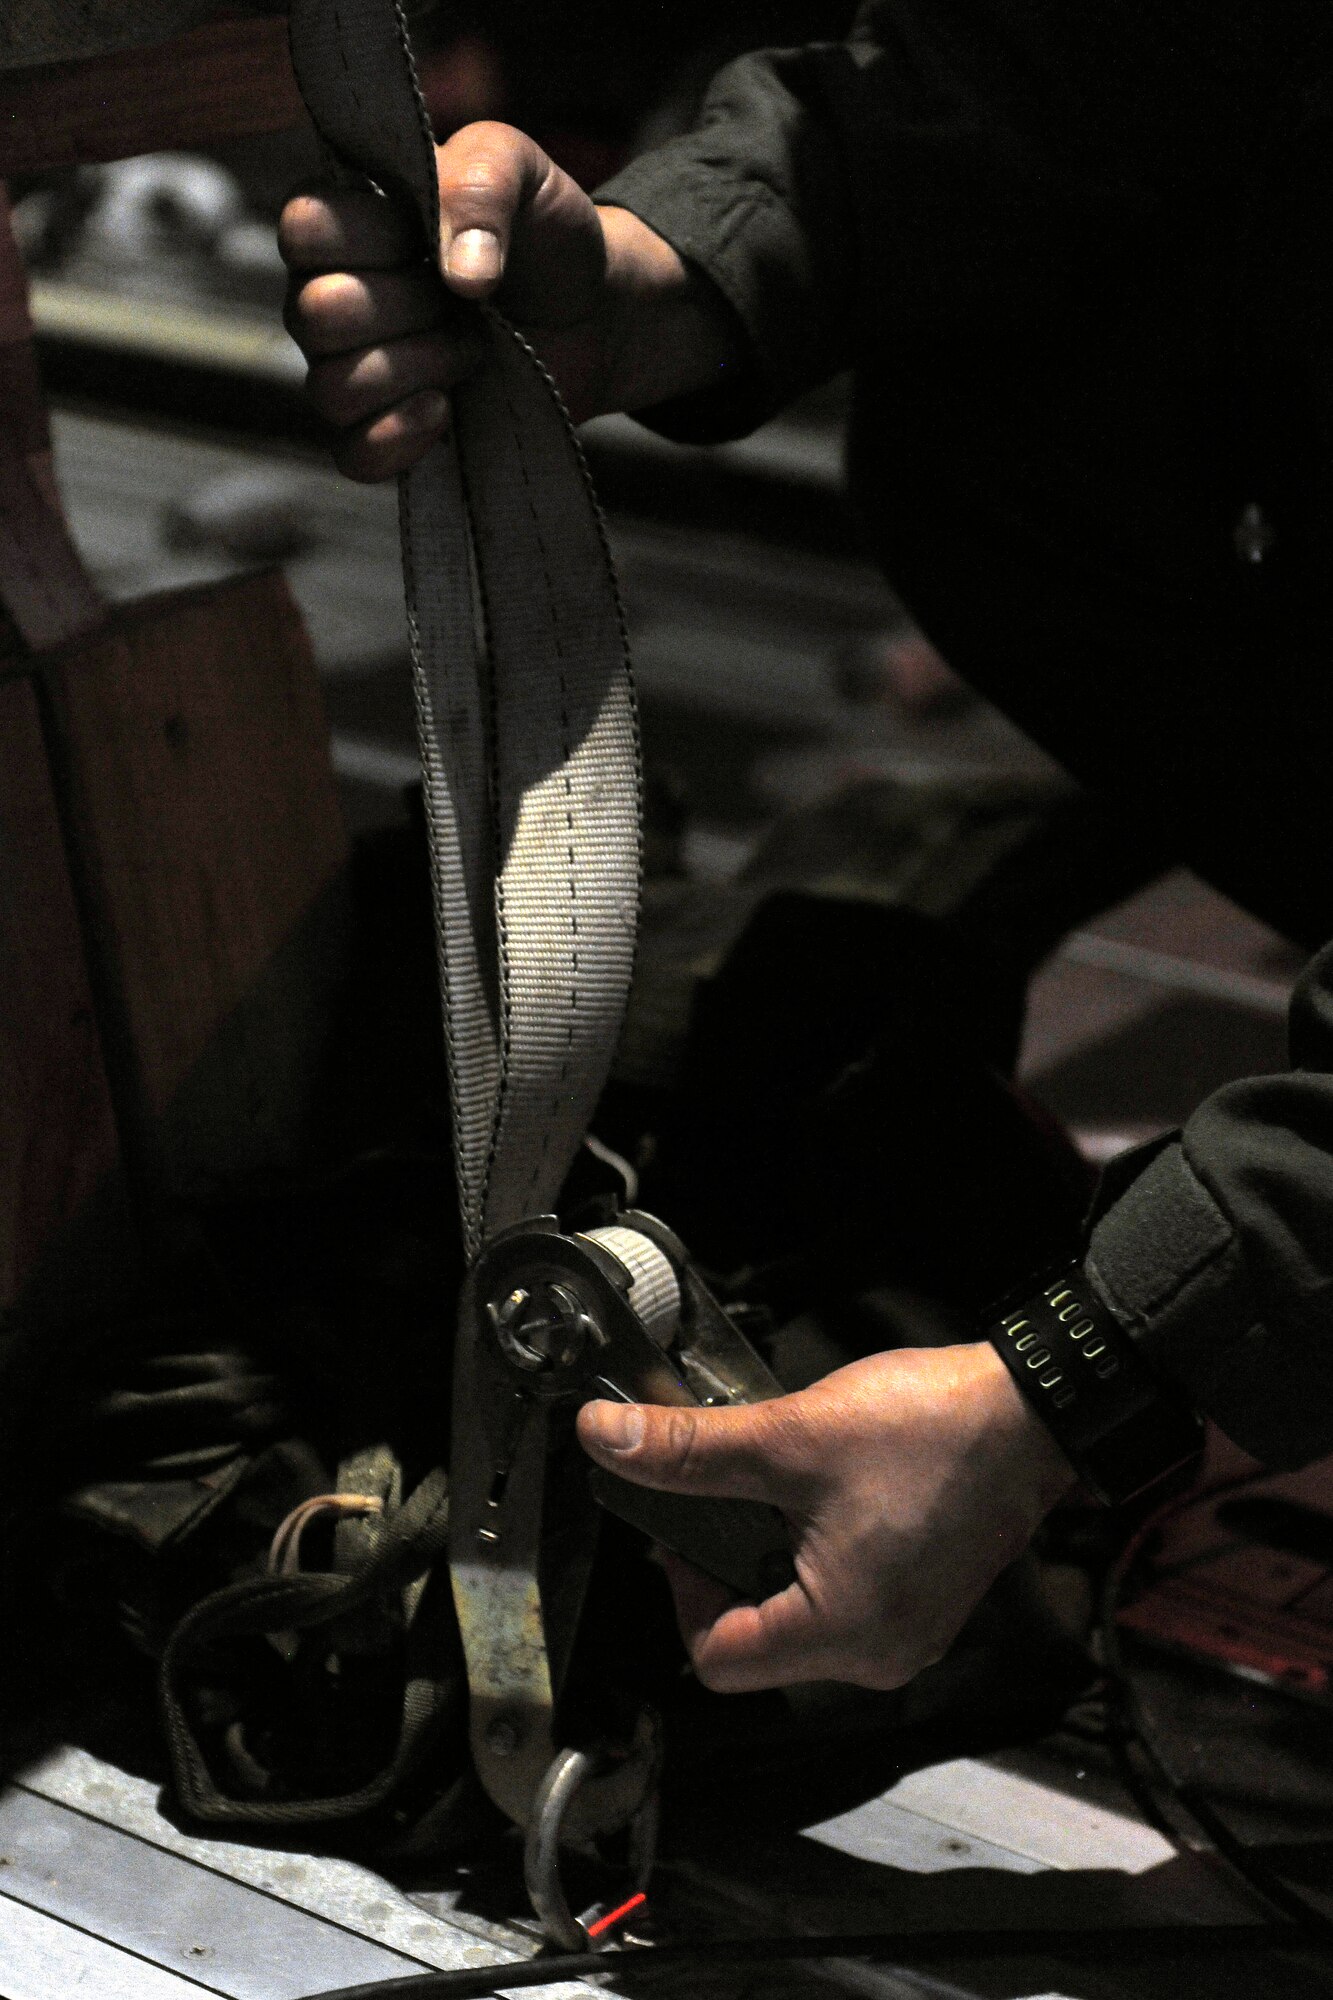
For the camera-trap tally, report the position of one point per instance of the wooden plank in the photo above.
(191, 757)
(228, 80)
(66, 1245)
(43, 585)
(183, 336)
(22, 409)
(57, 1136)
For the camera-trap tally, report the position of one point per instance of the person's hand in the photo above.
(610, 307)
(909, 1481)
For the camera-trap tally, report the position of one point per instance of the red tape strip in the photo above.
(604, 1924)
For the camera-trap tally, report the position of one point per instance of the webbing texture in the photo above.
(525, 710)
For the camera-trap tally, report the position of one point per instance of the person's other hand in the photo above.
(909, 1481)
(606, 302)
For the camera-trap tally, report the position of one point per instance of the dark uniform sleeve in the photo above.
(1218, 1252)
(755, 198)
(1215, 1246)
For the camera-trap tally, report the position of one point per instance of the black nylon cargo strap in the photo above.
(412, 1541)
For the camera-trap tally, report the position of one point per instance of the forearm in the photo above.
(671, 332)
(755, 209)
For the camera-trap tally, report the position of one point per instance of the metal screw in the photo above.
(503, 1737)
(542, 1328)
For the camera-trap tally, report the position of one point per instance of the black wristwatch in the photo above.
(1122, 1427)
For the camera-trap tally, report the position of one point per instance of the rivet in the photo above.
(503, 1736)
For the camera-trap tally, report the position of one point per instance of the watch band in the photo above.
(1121, 1427)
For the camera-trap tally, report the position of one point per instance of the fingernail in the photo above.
(474, 254)
(425, 411)
(616, 1426)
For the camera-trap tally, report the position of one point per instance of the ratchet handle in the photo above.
(741, 1543)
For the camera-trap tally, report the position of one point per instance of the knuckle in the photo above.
(681, 1442)
(484, 139)
(779, 1434)
(333, 294)
(320, 307)
(301, 223)
(786, 1424)
(365, 385)
(483, 175)
(483, 168)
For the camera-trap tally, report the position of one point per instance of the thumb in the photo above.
(488, 173)
(726, 1454)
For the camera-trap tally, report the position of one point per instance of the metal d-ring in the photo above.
(565, 1777)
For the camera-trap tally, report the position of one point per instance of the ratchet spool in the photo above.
(654, 1293)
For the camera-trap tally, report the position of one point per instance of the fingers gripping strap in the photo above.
(353, 63)
(525, 710)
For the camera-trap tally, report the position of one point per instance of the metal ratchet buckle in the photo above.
(549, 1321)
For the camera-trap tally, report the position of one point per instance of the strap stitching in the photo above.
(565, 751)
(341, 38)
(476, 1230)
(428, 738)
(579, 456)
